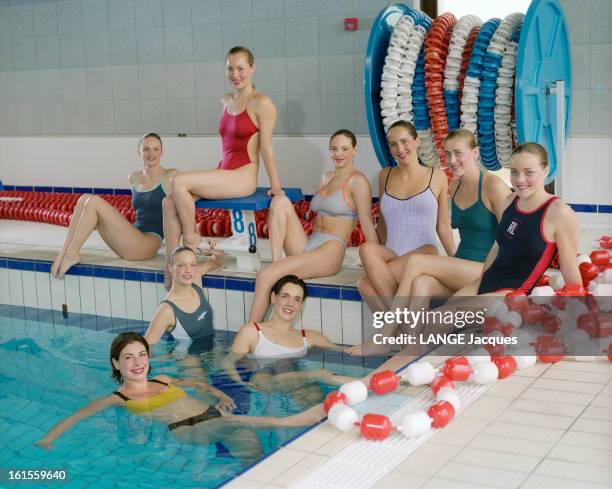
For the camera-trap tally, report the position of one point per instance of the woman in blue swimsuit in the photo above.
(139, 241)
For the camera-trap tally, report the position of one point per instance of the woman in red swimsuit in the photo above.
(246, 129)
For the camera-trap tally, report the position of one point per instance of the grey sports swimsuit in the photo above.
(148, 210)
(195, 325)
(333, 205)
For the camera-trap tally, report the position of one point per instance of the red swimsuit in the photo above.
(236, 131)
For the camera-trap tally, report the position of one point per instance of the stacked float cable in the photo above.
(451, 73)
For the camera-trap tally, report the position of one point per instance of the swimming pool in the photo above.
(51, 369)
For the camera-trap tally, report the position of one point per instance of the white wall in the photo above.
(106, 162)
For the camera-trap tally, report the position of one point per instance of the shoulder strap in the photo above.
(480, 180)
(122, 396)
(158, 381)
(256, 326)
(388, 175)
(430, 177)
(303, 334)
(457, 190)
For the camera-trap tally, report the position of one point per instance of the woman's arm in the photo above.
(495, 194)
(362, 196)
(244, 342)
(566, 237)
(266, 118)
(215, 261)
(443, 225)
(89, 410)
(163, 319)
(226, 403)
(316, 339)
(381, 225)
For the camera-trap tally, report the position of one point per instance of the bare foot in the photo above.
(67, 262)
(192, 241)
(56, 264)
(368, 348)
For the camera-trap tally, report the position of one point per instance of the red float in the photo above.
(376, 426)
(441, 413)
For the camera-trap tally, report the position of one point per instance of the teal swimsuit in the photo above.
(476, 225)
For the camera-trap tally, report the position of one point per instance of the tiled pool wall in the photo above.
(134, 294)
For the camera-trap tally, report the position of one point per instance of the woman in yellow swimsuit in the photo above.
(162, 399)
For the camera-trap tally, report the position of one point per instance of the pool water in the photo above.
(48, 371)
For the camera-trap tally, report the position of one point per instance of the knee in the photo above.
(85, 199)
(366, 252)
(422, 285)
(411, 261)
(265, 277)
(280, 203)
(178, 182)
(168, 204)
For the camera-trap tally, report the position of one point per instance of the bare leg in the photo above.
(286, 231)
(324, 261)
(290, 381)
(172, 235)
(453, 273)
(384, 269)
(210, 184)
(123, 238)
(368, 293)
(74, 221)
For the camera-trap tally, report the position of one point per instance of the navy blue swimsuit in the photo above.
(524, 253)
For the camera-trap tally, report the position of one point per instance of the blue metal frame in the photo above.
(543, 56)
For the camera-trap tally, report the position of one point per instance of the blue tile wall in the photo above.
(345, 293)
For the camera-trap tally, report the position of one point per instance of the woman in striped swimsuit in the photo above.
(414, 213)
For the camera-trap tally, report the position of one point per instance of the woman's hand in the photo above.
(44, 443)
(274, 191)
(226, 404)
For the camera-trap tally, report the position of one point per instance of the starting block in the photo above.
(243, 243)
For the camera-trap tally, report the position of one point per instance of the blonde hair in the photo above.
(466, 136)
(534, 149)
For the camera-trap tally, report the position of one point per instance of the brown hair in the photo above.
(534, 149)
(466, 136)
(289, 279)
(346, 133)
(406, 125)
(241, 49)
(150, 135)
(177, 250)
(119, 343)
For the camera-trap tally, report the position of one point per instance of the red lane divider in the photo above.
(57, 208)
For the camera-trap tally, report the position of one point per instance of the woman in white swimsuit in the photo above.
(269, 343)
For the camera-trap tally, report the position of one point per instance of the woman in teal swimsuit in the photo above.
(139, 241)
(477, 203)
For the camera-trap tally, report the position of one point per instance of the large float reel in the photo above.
(507, 80)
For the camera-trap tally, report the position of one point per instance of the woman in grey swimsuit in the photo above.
(344, 197)
(185, 313)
